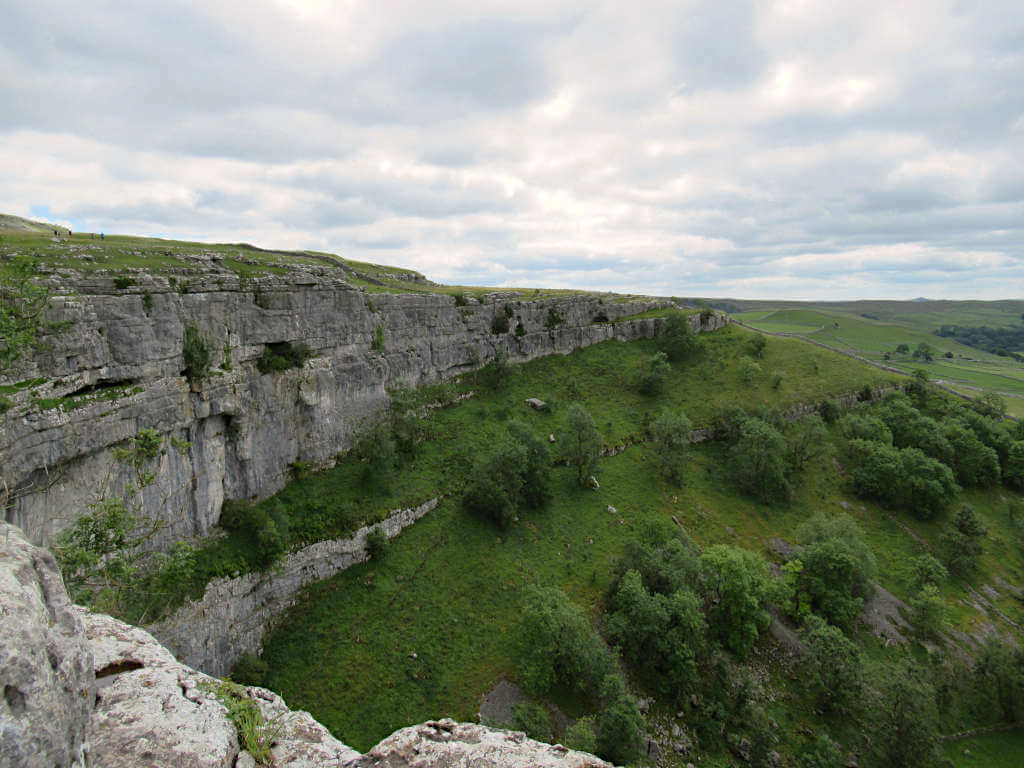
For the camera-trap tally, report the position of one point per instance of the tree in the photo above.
(856, 427)
(556, 645)
(666, 559)
(670, 436)
(495, 373)
(838, 567)
(734, 589)
(808, 439)
(535, 489)
(924, 352)
(960, 541)
(580, 735)
(759, 462)
(973, 462)
(749, 370)
(620, 725)
(195, 352)
(823, 753)
(580, 442)
(23, 303)
(925, 570)
(1001, 668)
(906, 730)
(928, 611)
(375, 446)
(655, 374)
(757, 345)
(834, 664)
(678, 340)
(660, 635)
(1014, 474)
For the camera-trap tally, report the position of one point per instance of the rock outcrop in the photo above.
(81, 688)
(46, 665)
(117, 368)
(234, 615)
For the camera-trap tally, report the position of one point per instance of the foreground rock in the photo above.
(46, 668)
(82, 688)
(450, 744)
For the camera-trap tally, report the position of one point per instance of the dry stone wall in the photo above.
(242, 428)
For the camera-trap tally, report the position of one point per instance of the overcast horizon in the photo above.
(792, 150)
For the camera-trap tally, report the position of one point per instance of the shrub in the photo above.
(580, 735)
(1014, 474)
(749, 370)
(520, 330)
(678, 340)
(620, 725)
(670, 435)
(857, 427)
(250, 669)
(496, 372)
(960, 541)
(533, 720)
(928, 611)
(777, 378)
(283, 355)
(377, 345)
(123, 282)
(5, 404)
(734, 588)
(580, 442)
(838, 567)
(759, 462)
(377, 544)
(654, 375)
(757, 344)
(375, 446)
(461, 300)
(196, 354)
(499, 323)
(829, 410)
(834, 662)
(554, 318)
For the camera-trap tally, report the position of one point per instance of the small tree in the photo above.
(961, 541)
(670, 435)
(580, 442)
(23, 303)
(375, 446)
(759, 461)
(678, 340)
(734, 588)
(196, 354)
(834, 663)
(749, 370)
(928, 611)
(655, 374)
(757, 345)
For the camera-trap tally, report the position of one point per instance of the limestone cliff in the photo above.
(118, 366)
(81, 688)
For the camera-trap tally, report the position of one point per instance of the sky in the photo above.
(797, 149)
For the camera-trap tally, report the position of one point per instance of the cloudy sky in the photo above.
(800, 148)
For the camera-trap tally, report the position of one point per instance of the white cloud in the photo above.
(800, 148)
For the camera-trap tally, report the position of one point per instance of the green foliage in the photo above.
(581, 735)
(748, 370)
(928, 611)
(556, 645)
(678, 340)
(973, 462)
(1001, 667)
(665, 558)
(925, 570)
(670, 437)
(807, 440)
(147, 302)
(660, 635)
(834, 665)
(377, 544)
(281, 356)
(513, 475)
(195, 352)
(460, 299)
(533, 720)
(5, 404)
(777, 378)
(377, 344)
(123, 282)
(838, 568)
(757, 345)
(255, 734)
(264, 526)
(822, 753)
(906, 730)
(250, 669)
(865, 427)
(759, 462)
(375, 447)
(734, 588)
(903, 478)
(620, 726)
(554, 318)
(1014, 474)
(829, 410)
(23, 303)
(655, 374)
(496, 373)
(499, 323)
(580, 442)
(960, 541)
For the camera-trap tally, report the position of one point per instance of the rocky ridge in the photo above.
(117, 368)
(82, 688)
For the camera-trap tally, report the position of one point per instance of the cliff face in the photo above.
(118, 366)
(81, 688)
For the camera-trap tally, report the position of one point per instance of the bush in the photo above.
(973, 462)
(580, 442)
(123, 282)
(857, 427)
(499, 323)
(777, 378)
(670, 436)
(533, 720)
(749, 370)
(554, 318)
(580, 735)
(495, 373)
(734, 588)
(654, 375)
(759, 462)
(266, 526)
(835, 665)
(829, 410)
(196, 354)
(757, 344)
(928, 611)
(515, 474)
(5, 404)
(1014, 474)
(620, 725)
(960, 541)
(461, 300)
(678, 340)
(375, 446)
(377, 544)
(280, 356)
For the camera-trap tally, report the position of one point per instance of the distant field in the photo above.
(873, 339)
